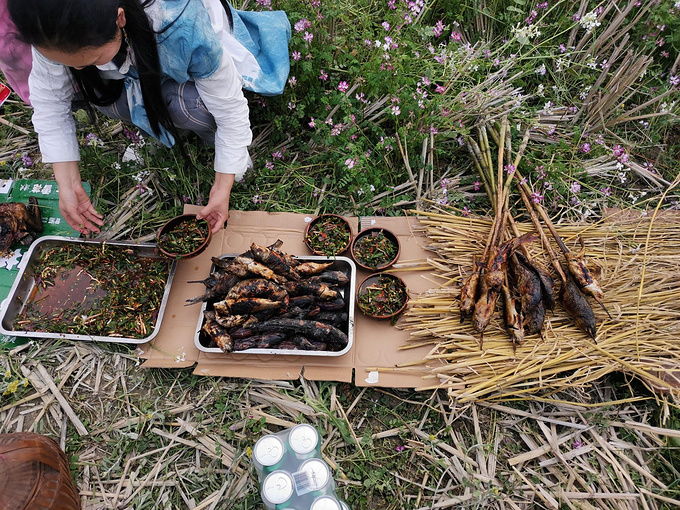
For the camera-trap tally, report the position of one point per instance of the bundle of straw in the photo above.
(640, 270)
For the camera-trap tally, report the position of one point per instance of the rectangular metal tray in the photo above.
(25, 283)
(343, 264)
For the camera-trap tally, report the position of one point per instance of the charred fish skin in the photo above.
(219, 335)
(334, 277)
(274, 261)
(313, 330)
(247, 306)
(256, 287)
(225, 282)
(304, 287)
(264, 341)
(533, 322)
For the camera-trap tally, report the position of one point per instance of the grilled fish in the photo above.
(313, 330)
(251, 305)
(312, 268)
(304, 287)
(244, 265)
(576, 305)
(468, 295)
(256, 287)
(274, 261)
(219, 335)
(19, 223)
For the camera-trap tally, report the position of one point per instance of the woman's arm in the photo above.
(223, 96)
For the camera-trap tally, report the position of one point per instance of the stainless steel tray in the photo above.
(343, 264)
(25, 284)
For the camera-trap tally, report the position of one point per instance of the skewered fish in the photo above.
(513, 318)
(577, 306)
(527, 283)
(468, 294)
(484, 308)
(19, 223)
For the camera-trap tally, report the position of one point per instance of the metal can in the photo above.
(268, 453)
(316, 477)
(277, 489)
(325, 503)
(303, 440)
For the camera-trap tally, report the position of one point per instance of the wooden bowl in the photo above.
(364, 238)
(373, 284)
(172, 228)
(316, 240)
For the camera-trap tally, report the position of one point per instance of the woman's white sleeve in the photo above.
(222, 94)
(51, 95)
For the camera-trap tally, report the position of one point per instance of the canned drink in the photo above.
(315, 479)
(268, 453)
(303, 440)
(277, 489)
(325, 503)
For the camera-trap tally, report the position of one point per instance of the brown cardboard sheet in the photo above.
(376, 343)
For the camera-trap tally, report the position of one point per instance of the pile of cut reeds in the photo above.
(639, 257)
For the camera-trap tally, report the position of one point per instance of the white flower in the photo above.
(589, 22)
(525, 33)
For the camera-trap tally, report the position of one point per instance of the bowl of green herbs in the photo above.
(382, 296)
(183, 237)
(328, 235)
(375, 249)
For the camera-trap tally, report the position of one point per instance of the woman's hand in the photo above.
(217, 210)
(74, 204)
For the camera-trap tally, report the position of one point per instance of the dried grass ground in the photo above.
(140, 438)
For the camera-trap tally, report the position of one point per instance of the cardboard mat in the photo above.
(376, 342)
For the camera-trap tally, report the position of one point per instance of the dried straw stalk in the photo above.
(640, 272)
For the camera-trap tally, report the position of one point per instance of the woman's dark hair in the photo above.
(71, 25)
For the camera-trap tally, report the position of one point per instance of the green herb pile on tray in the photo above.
(122, 297)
